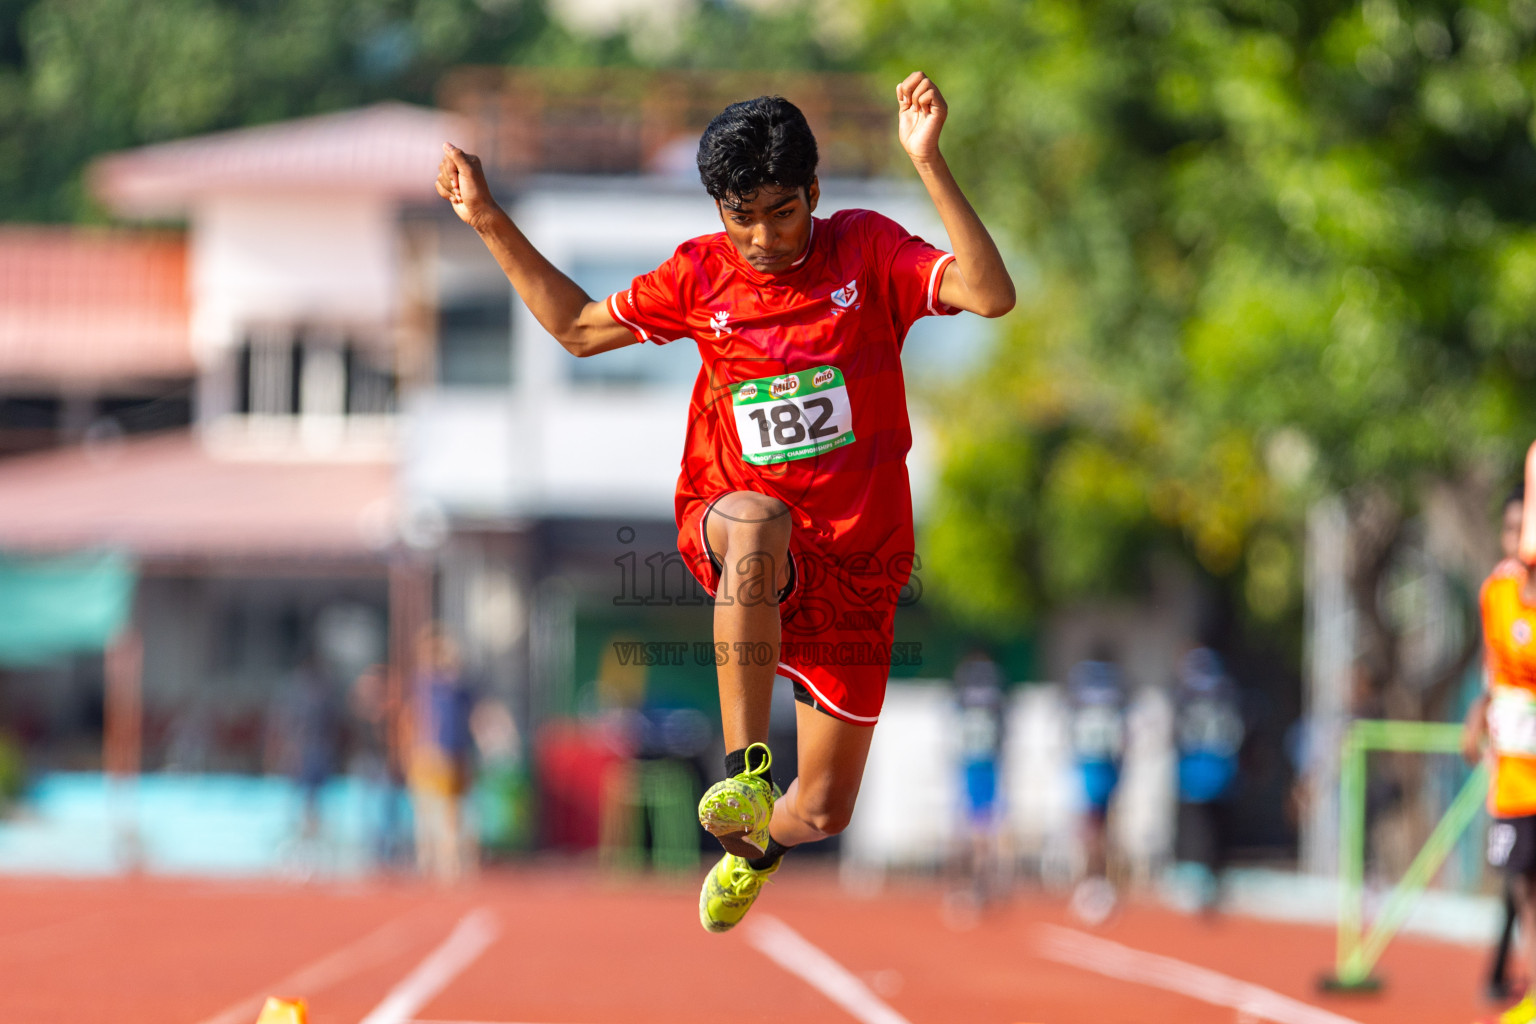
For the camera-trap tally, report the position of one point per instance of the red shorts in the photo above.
(838, 617)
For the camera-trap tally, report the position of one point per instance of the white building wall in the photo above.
(287, 260)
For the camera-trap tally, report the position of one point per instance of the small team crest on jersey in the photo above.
(1521, 631)
(847, 295)
(826, 376)
(746, 391)
(718, 321)
(784, 386)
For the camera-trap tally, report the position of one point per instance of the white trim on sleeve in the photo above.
(613, 307)
(933, 282)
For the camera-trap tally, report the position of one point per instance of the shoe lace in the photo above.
(742, 877)
(763, 766)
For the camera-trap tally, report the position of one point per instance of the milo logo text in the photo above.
(784, 386)
(747, 391)
(823, 377)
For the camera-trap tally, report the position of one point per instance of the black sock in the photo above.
(736, 764)
(771, 856)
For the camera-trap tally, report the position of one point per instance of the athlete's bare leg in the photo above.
(820, 802)
(1096, 844)
(749, 533)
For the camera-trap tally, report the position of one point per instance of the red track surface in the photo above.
(574, 949)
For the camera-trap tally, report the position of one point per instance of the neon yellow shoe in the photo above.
(1523, 1012)
(737, 810)
(729, 891)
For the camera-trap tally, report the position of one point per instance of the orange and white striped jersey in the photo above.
(1509, 644)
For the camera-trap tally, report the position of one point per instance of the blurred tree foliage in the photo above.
(1274, 250)
(83, 77)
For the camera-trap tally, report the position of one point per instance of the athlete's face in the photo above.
(1509, 534)
(772, 229)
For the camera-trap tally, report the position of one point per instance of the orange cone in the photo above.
(283, 1011)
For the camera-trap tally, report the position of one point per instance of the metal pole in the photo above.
(1330, 642)
(1351, 857)
(1462, 810)
(1356, 954)
(123, 742)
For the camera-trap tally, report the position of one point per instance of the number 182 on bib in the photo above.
(793, 416)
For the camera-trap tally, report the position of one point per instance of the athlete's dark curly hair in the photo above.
(755, 143)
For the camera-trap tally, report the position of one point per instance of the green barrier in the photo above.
(503, 802)
(1358, 951)
(656, 792)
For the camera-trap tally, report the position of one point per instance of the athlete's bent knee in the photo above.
(753, 532)
(748, 515)
(828, 821)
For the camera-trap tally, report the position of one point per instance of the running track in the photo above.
(562, 946)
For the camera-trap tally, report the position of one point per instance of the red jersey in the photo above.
(800, 395)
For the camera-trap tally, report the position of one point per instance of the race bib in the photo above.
(1512, 721)
(794, 416)
(1098, 733)
(1210, 726)
(979, 733)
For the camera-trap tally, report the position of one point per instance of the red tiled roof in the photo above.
(624, 120)
(389, 149)
(167, 497)
(81, 304)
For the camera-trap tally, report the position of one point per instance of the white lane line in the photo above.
(474, 932)
(791, 951)
(1079, 949)
(373, 948)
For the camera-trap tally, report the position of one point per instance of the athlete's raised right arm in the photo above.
(566, 311)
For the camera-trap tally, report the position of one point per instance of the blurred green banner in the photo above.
(56, 606)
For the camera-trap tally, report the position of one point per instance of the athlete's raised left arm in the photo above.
(977, 280)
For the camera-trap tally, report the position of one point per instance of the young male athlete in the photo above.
(1508, 604)
(793, 506)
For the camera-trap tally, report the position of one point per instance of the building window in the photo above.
(269, 376)
(314, 374)
(29, 422)
(145, 415)
(474, 340)
(676, 364)
(370, 383)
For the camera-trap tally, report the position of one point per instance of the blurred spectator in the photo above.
(304, 742)
(1308, 741)
(191, 739)
(979, 696)
(504, 811)
(440, 765)
(1096, 695)
(13, 772)
(1208, 734)
(376, 758)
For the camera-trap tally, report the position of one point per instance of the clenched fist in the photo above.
(461, 181)
(920, 116)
